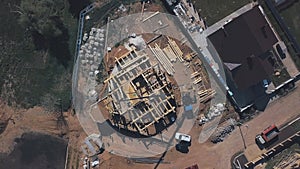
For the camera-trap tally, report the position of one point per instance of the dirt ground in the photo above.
(35, 120)
(21, 121)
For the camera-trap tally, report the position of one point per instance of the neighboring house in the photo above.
(245, 46)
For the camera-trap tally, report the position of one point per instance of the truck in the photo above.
(267, 135)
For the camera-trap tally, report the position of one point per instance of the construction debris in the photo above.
(292, 160)
(221, 132)
(216, 110)
(92, 145)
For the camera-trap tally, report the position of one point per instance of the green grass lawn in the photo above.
(214, 10)
(291, 16)
(282, 35)
(278, 80)
(28, 74)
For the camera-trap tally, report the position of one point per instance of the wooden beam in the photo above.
(152, 15)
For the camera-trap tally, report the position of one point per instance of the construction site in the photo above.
(141, 93)
(141, 88)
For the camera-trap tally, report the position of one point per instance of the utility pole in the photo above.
(60, 120)
(239, 124)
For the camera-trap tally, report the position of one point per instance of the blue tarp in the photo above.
(188, 108)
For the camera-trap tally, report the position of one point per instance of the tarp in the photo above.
(188, 108)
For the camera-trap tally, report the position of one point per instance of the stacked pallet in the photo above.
(163, 59)
(169, 52)
(176, 49)
(195, 74)
(190, 56)
(206, 94)
(198, 80)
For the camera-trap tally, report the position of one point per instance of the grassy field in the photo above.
(214, 10)
(291, 16)
(279, 31)
(29, 75)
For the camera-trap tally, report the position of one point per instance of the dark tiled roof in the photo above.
(245, 41)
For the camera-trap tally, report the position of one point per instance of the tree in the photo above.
(42, 16)
(45, 21)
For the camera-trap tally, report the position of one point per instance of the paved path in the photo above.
(223, 21)
(290, 65)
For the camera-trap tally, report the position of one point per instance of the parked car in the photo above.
(280, 52)
(183, 137)
(265, 83)
(95, 163)
(182, 147)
